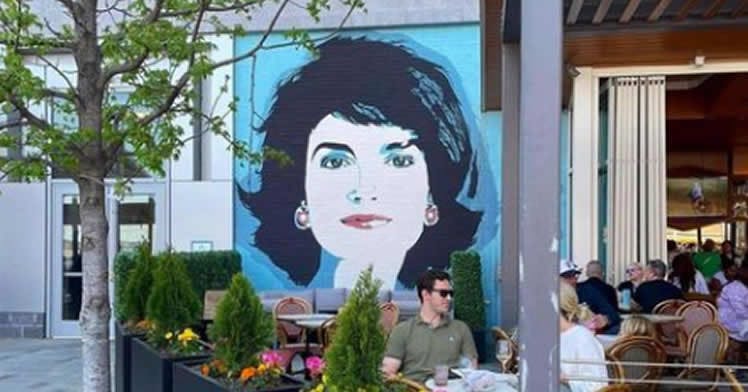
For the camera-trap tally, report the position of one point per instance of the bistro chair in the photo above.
(706, 346)
(639, 349)
(616, 388)
(390, 314)
(326, 333)
(695, 314)
(729, 375)
(288, 332)
(670, 333)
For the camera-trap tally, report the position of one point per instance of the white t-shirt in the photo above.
(699, 285)
(578, 343)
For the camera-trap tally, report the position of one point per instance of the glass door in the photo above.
(136, 217)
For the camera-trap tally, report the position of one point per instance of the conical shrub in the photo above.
(173, 304)
(355, 356)
(138, 286)
(241, 328)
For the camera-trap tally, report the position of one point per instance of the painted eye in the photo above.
(335, 161)
(400, 161)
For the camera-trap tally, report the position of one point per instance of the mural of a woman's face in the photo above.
(367, 188)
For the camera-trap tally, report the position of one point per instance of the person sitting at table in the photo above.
(606, 317)
(594, 272)
(578, 344)
(655, 289)
(637, 326)
(708, 261)
(431, 338)
(635, 275)
(685, 276)
(733, 312)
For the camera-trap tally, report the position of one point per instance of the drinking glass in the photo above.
(503, 354)
(441, 375)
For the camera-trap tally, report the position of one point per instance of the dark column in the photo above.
(540, 129)
(510, 186)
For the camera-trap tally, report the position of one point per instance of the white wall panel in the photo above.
(201, 211)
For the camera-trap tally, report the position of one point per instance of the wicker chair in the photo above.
(410, 385)
(390, 314)
(670, 333)
(706, 346)
(695, 314)
(326, 333)
(616, 388)
(287, 332)
(639, 349)
(735, 385)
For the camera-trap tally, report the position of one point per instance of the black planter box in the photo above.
(187, 378)
(122, 357)
(151, 370)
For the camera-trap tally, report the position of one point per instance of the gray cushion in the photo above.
(329, 300)
(384, 296)
(404, 295)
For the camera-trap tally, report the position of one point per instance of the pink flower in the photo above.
(271, 358)
(315, 365)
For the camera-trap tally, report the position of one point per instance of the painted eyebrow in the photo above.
(398, 145)
(333, 146)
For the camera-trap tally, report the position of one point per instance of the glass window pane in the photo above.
(137, 221)
(72, 277)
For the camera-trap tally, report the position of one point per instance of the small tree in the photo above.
(241, 329)
(355, 356)
(138, 286)
(466, 277)
(173, 304)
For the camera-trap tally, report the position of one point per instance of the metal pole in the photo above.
(539, 197)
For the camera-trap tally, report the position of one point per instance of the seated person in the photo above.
(578, 344)
(431, 338)
(685, 276)
(606, 317)
(594, 271)
(733, 312)
(637, 326)
(655, 289)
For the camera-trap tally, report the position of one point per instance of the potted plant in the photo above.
(241, 331)
(354, 359)
(469, 305)
(172, 308)
(134, 272)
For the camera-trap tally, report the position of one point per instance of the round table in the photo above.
(657, 318)
(458, 385)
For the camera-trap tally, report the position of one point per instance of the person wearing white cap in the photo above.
(610, 321)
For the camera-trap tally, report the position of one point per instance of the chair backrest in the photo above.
(639, 349)
(326, 333)
(615, 369)
(669, 331)
(389, 315)
(707, 345)
(734, 383)
(616, 388)
(695, 314)
(290, 305)
(700, 297)
(210, 303)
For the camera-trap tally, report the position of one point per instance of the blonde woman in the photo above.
(637, 326)
(579, 344)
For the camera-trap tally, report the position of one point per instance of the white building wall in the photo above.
(201, 211)
(22, 247)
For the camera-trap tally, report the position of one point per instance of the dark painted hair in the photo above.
(427, 279)
(366, 82)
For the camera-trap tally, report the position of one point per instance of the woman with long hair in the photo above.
(578, 344)
(685, 276)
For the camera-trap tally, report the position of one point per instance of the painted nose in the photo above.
(357, 196)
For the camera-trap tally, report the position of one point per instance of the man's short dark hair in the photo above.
(658, 267)
(427, 279)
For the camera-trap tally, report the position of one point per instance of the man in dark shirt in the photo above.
(655, 289)
(590, 296)
(594, 271)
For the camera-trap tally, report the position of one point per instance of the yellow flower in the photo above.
(324, 379)
(187, 335)
(261, 369)
(169, 335)
(319, 388)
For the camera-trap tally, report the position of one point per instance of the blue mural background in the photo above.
(454, 47)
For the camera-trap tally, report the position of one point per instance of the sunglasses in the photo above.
(631, 270)
(445, 293)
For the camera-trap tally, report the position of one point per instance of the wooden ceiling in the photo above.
(623, 33)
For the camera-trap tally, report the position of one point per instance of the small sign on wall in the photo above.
(202, 246)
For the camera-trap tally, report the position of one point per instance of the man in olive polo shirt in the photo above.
(431, 338)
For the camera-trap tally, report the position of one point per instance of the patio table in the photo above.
(504, 383)
(657, 318)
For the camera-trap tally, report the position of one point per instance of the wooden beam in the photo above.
(659, 10)
(685, 9)
(740, 9)
(629, 11)
(574, 9)
(713, 9)
(602, 10)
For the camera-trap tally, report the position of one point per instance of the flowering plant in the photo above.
(250, 378)
(185, 342)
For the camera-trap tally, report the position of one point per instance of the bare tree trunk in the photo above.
(95, 312)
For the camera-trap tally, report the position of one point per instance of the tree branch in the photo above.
(75, 97)
(69, 4)
(19, 123)
(233, 7)
(135, 63)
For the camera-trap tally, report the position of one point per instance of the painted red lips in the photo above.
(365, 221)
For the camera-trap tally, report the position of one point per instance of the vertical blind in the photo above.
(636, 214)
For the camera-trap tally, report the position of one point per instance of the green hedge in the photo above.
(207, 270)
(469, 305)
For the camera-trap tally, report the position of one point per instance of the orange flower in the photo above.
(205, 370)
(247, 373)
